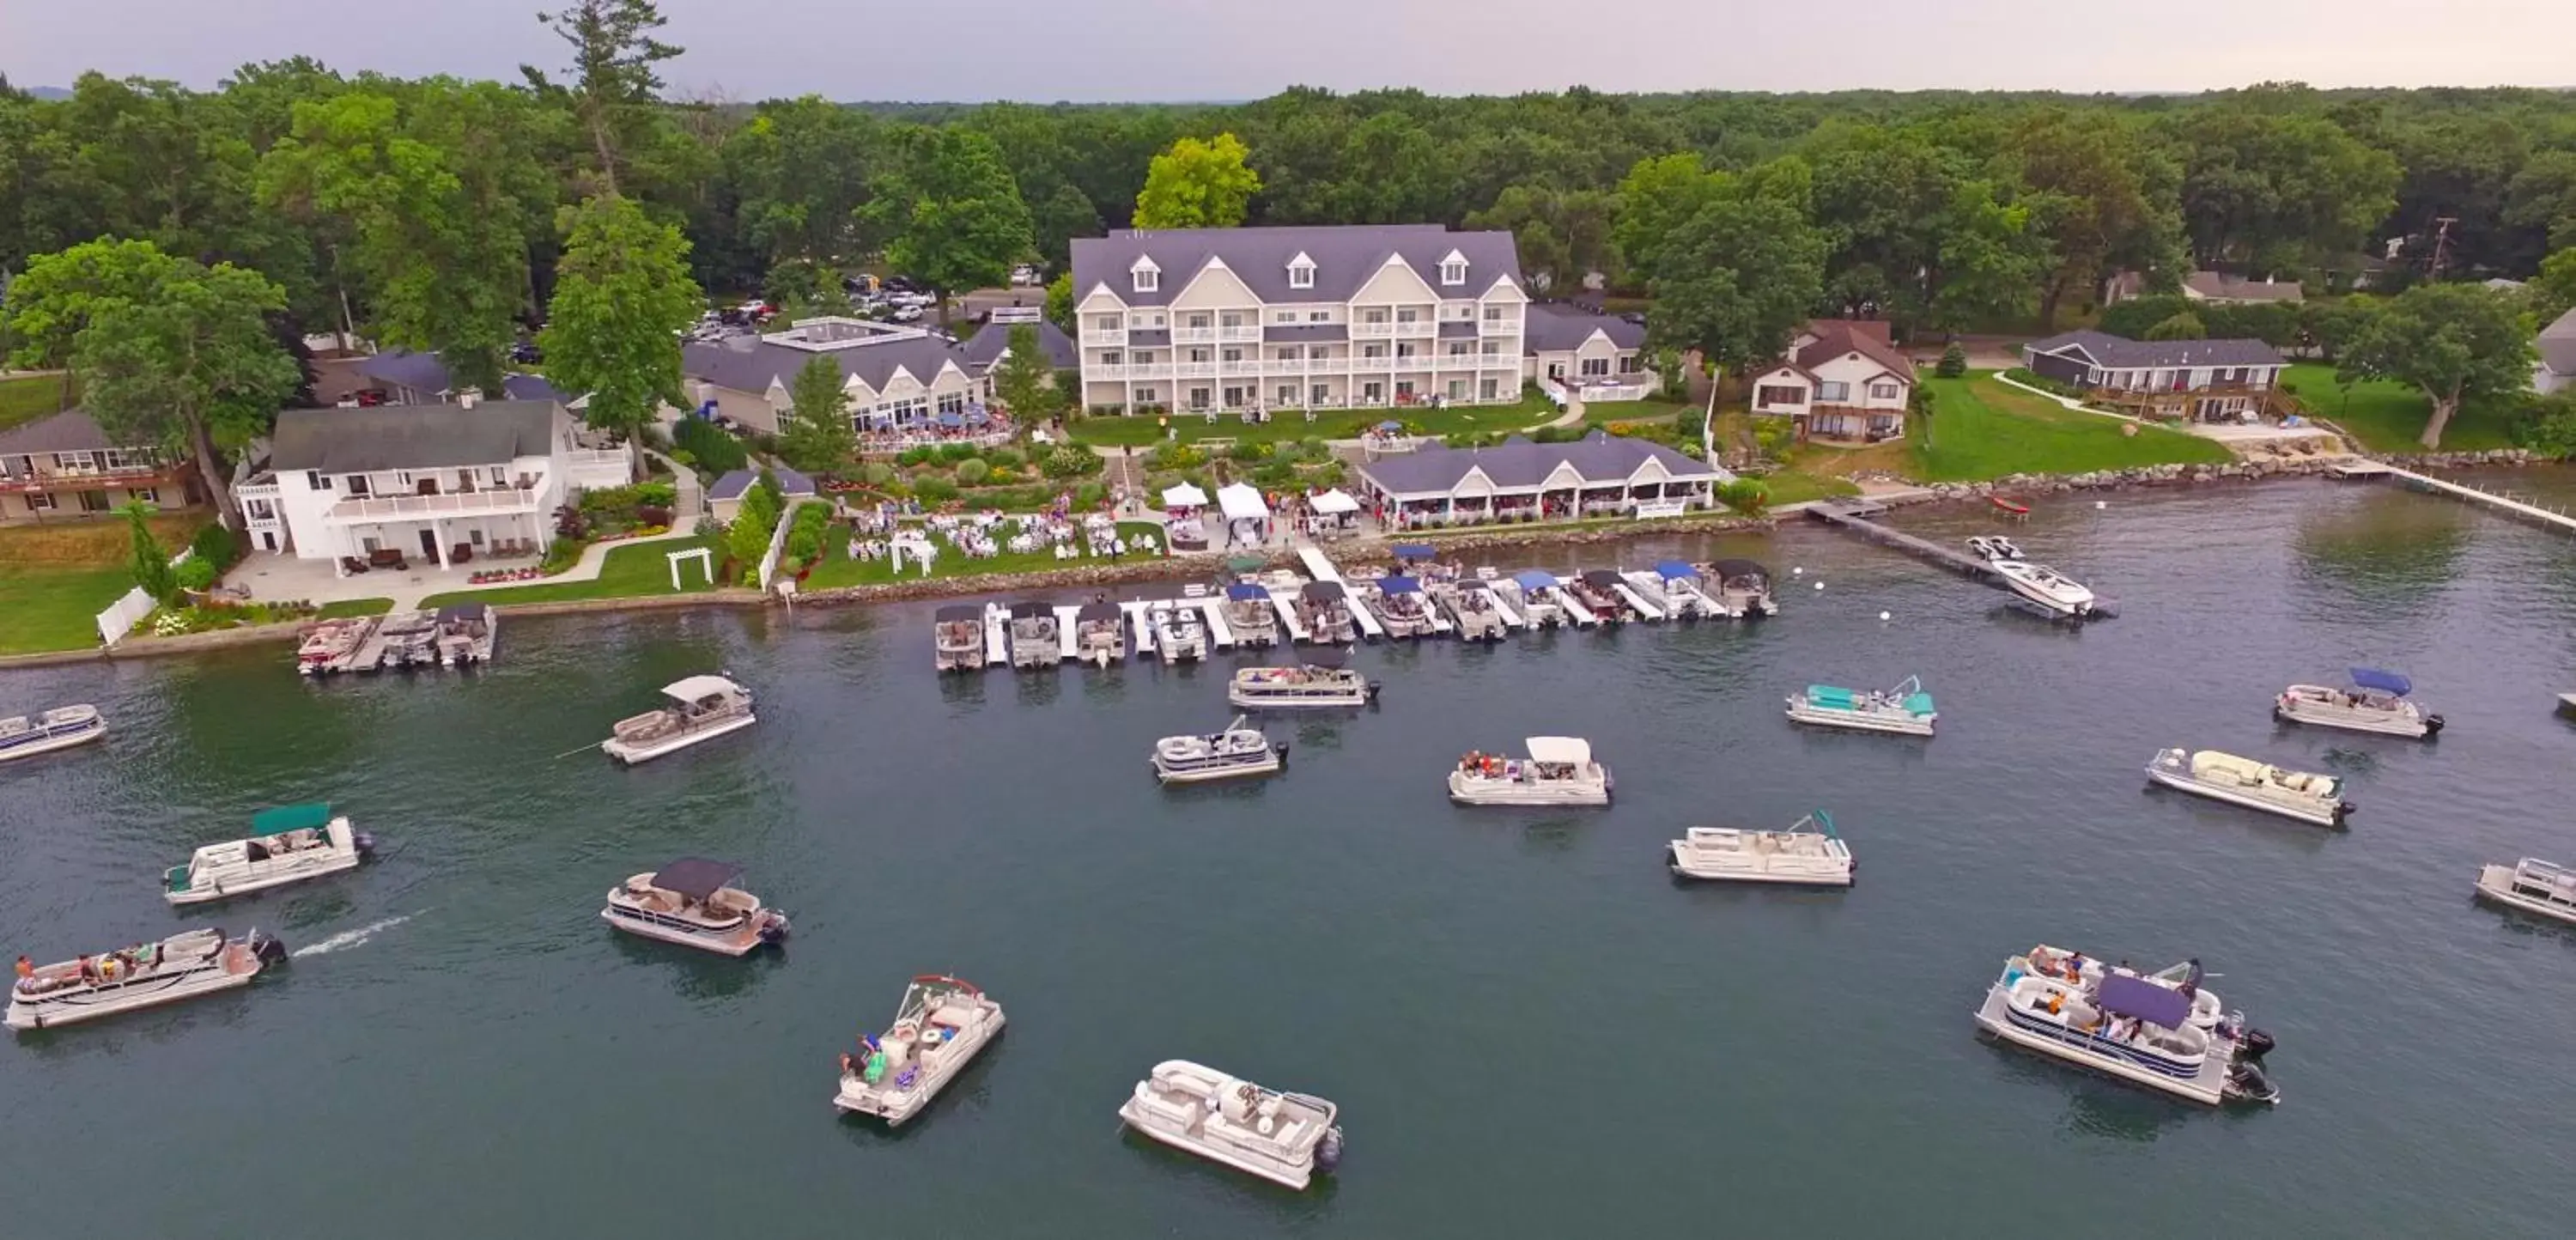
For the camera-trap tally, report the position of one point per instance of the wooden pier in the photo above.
(1854, 517)
(2502, 505)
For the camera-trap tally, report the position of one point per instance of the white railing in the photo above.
(427, 507)
(1365, 328)
(598, 467)
(1277, 367)
(1092, 336)
(1380, 362)
(1240, 331)
(1194, 370)
(1419, 327)
(1194, 335)
(1498, 327)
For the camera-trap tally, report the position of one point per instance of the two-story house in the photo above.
(67, 466)
(434, 482)
(1841, 379)
(2200, 379)
(1246, 319)
(1599, 356)
(898, 379)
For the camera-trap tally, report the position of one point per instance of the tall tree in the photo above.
(2542, 197)
(2272, 189)
(2455, 342)
(614, 82)
(1023, 380)
(1655, 198)
(166, 350)
(801, 168)
(2103, 198)
(816, 435)
(1735, 279)
(1198, 185)
(1915, 234)
(1562, 235)
(952, 214)
(147, 563)
(2553, 291)
(622, 296)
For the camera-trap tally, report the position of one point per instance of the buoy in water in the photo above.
(1820, 585)
(1882, 616)
(1797, 572)
(2101, 504)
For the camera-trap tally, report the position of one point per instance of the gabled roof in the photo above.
(1346, 257)
(2557, 346)
(351, 441)
(420, 372)
(1867, 337)
(738, 481)
(2117, 353)
(1519, 464)
(985, 347)
(2220, 286)
(750, 364)
(68, 431)
(1555, 328)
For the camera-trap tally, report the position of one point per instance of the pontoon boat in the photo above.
(466, 633)
(1236, 751)
(1399, 605)
(701, 708)
(1321, 681)
(25, 736)
(2254, 785)
(1809, 853)
(2533, 886)
(2142, 1030)
(691, 902)
(1326, 608)
(1676, 587)
(1534, 592)
(183, 966)
(1282, 1137)
(1035, 640)
(1905, 709)
(1179, 635)
(942, 1023)
(330, 645)
(1743, 588)
(2376, 703)
(288, 844)
(1598, 591)
(957, 632)
(1558, 771)
(1472, 609)
(1250, 617)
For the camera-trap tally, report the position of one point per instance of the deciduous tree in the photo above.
(1735, 279)
(2455, 342)
(1023, 380)
(622, 295)
(952, 215)
(614, 82)
(1198, 185)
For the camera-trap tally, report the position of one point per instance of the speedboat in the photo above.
(1598, 591)
(700, 708)
(1326, 608)
(1558, 771)
(942, 1023)
(2533, 886)
(1320, 681)
(288, 844)
(692, 902)
(1905, 709)
(25, 736)
(1399, 605)
(957, 633)
(2254, 785)
(465, 634)
(1237, 750)
(1250, 616)
(1743, 588)
(1179, 635)
(183, 966)
(1534, 594)
(2044, 586)
(1809, 853)
(1099, 633)
(2139, 1029)
(2376, 703)
(1035, 639)
(1282, 1137)
(1473, 610)
(1994, 547)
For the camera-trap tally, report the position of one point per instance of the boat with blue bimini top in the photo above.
(1810, 853)
(1678, 589)
(2377, 702)
(1399, 605)
(2226, 777)
(1321, 681)
(1533, 592)
(1905, 709)
(183, 966)
(1250, 616)
(288, 844)
(1236, 751)
(692, 902)
(1280, 1136)
(941, 1025)
(2151, 1031)
(25, 736)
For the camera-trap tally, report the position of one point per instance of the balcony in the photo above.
(1365, 328)
(1372, 363)
(1093, 337)
(1277, 367)
(1417, 328)
(1239, 332)
(1197, 335)
(502, 501)
(1505, 326)
(47, 477)
(1193, 370)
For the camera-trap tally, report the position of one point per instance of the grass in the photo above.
(92, 542)
(633, 571)
(29, 397)
(354, 607)
(838, 570)
(1981, 429)
(2388, 416)
(1648, 410)
(52, 607)
(1790, 486)
(1531, 410)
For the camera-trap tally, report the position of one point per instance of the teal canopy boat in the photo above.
(1904, 709)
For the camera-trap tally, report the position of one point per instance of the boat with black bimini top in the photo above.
(1321, 681)
(2377, 702)
(1282, 1137)
(699, 708)
(1810, 853)
(1905, 709)
(466, 634)
(941, 1025)
(183, 966)
(2153, 1031)
(1598, 591)
(287, 844)
(1035, 640)
(2242, 781)
(692, 902)
(1236, 751)
(25, 736)
(2532, 885)
(1558, 770)
(1099, 633)
(1743, 588)
(1326, 609)
(957, 637)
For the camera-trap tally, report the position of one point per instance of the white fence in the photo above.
(122, 615)
(598, 468)
(778, 541)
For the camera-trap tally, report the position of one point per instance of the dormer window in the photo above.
(1301, 272)
(1453, 269)
(1147, 277)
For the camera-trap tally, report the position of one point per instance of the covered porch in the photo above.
(442, 530)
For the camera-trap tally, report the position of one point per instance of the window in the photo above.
(1235, 397)
(474, 536)
(1457, 389)
(40, 501)
(1106, 323)
(1144, 357)
(1109, 358)
(1233, 355)
(1829, 393)
(1147, 396)
(1884, 391)
(1493, 314)
(1317, 394)
(1408, 315)
(1301, 275)
(1284, 316)
(314, 481)
(1198, 355)
(1372, 350)
(1595, 367)
(1487, 389)
(1373, 393)
(1771, 395)
(1198, 321)
(1457, 348)
(1454, 271)
(1493, 349)
(500, 476)
(148, 495)
(358, 484)
(1373, 316)
(1287, 393)
(1288, 354)
(93, 501)
(1408, 350)
(1319, 316)
(1404, 390)
(1628, 364)
(1198, 398)
(952, 402)
(1148, 280)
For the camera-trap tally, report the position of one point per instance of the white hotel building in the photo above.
(1274, 319)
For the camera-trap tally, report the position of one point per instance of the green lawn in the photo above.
(838, 570)
(30, 397)
(355, 607)
(1789, 486)
(1649, 410)
(632, 571)
(1981, 429)
(50, 608)
(1531, 410)
(2387, 416)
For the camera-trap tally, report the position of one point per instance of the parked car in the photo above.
(907, 314)
(1024, 275)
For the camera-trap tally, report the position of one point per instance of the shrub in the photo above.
(876, 473)
(1557, 434)
(560, 555)
(957, 452)
(656, 494)
(709, 445)
(971, 471)
(1089, 495)
(1276, 475)
(1006, 458)
(1071, 462)
(1954, 362)
(1179, 456)
(196, 573)
(1744, 495)
(216, 546)
(1249, 452)
(2024, 375)
(685, 458)
(934, 490)
(805, 534)
(1772, 434)
(922, 455)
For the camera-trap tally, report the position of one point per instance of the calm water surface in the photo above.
(1532, 1030)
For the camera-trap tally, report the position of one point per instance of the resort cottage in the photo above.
(66, 466)
(442, 483)
(905, 385)
(2204, 380)
(1842, 379)
(1597, 356)
(1367, 316)
(1519, 480)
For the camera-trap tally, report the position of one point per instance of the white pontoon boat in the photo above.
(1250, 616)
(1558, 771)
(1236, 751)
(1035, 639)
(1322, 681)
(2376, 702)
(1282, 1137)
(1325, 607)
(183, 966)
(1905, 709)
(1809, 853)
(2138, 1029)
(1399, 605)
(1472, 609)
(288, 844)
(1179, 635)
(1743, 588)
(2254, 785)
(957, 636)
(942, 1023)
(25, 736)
(692, 902)
(2533, 886)
(701, 708)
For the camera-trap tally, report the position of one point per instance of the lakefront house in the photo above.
(66, 466)
(2205, 380)
(1842, 379)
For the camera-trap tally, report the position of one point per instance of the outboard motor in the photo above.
(2254, 1046)
(2343, 810)
(363, 842)
(2432, 726)
(775, 929)
(2245, 1078)
(1282, 748)
(267, 949)
(1328, 1152)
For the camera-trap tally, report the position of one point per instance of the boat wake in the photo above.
(351, 938)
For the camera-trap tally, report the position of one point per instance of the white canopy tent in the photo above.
(1184, 496)
(1239, 503)
(1335, 502)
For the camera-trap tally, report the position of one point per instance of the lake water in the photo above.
(1531, 1028)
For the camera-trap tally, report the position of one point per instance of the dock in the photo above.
(997, 635)
(1512, 617)
(1321, 569)
(1219, 635)
(1283, 602)
(1645, 606)
(1855, 518)
(1140, 621)
(1064, 628)
(2502, 505)
(1565, 598)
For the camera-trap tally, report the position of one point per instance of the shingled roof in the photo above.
(353, 441)
(750, 364)
(1867, 337)
(2557, 346)
(2118, 353)
(68, 431)
(1554, 328)
(1346, 257)
(985, 347)
(1519, 464)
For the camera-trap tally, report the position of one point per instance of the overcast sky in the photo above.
(1090, 50)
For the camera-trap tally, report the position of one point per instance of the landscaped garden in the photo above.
(632, 571)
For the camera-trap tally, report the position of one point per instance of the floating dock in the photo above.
(1283, 602)
(1219, 634)
(1645, 607)
(997, 635)
(1565, 599)
(1064, 628)
(1854, 517)
(1140, 622)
